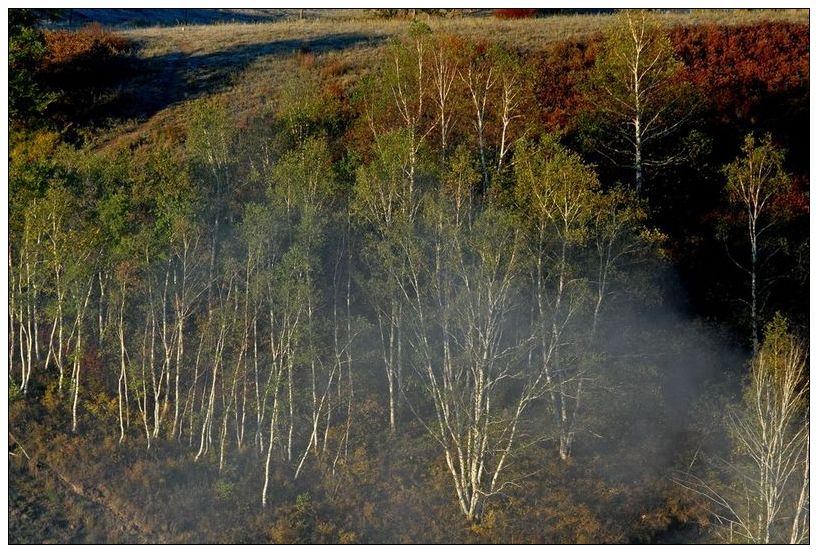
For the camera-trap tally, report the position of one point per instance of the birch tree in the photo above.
(766, 495)
(209, 143)
(621, 239)
(462, 293)
(27, 288)
(638, 96)
(753, 183)
(386, 202)
(80, 273)
(406, 77)
(444, 90)
(557, 192)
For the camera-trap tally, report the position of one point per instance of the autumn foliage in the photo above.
(736, 67)
(91, 61)
(89, 42)
(250, 257)
(560, 70)
(515, 13)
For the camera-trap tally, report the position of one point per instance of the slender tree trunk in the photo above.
(142, 404)
(122, 382)
(78, 355)
(637, 161)
(290, 405)
(270, 441)
(800, 522)
(637, 124)
(753, 281)
(59, 356)
(12, 308)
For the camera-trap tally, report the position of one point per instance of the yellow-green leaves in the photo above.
(304, 176)
(754, 179)
(303, 105)
(384, 190)
(639, 98)
(554, 187)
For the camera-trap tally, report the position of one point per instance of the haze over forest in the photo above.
(408, 276)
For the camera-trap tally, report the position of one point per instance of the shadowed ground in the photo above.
(142, 17)
(163, 80)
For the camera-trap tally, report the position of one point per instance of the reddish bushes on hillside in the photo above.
(515, 13)
(561, 69)
(81, 65)
(736, 67)
(89, 42)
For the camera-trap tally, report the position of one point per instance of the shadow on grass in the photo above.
(144, 17)
(153, 84)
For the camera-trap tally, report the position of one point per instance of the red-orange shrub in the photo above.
(81, 65)
(515, 13)
(90, 41)
(560, 71)
(736, 67)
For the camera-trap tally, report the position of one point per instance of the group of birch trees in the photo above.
(491, 265)
(224, 326)
(236, 295)
(219, 290)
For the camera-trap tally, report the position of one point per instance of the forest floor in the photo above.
(46, 507)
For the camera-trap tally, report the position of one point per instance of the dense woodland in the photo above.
(470, 294)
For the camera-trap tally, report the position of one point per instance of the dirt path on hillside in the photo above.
(94, 500)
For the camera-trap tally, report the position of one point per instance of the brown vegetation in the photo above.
(92, 41)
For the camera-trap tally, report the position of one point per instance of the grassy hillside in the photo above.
(246, 61)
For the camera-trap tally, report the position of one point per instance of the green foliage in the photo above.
(210, 138)
(554, 187)
(755, 183)
(224, 489)
(303, 177)
(260, 230)
(636, 52)
(27, 50)
(37, 159)
(15, 394)
(419, 29)
(779, 370)
(304, 106)
(460, 183)
(384, 193)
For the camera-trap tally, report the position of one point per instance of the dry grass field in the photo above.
(525, 34)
